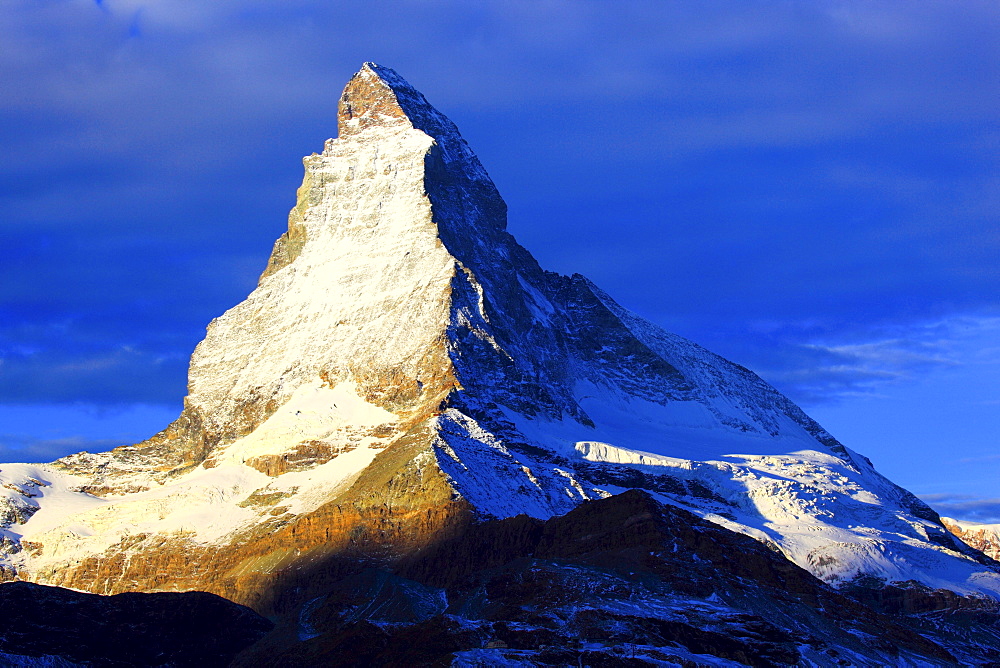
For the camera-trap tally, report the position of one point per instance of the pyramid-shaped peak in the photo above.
(377, 96)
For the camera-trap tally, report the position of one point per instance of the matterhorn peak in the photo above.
(405, 367)
(378, 97)
(369, 100)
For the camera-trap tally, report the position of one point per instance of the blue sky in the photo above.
(810, 189)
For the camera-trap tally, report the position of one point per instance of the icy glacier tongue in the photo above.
(403, 363)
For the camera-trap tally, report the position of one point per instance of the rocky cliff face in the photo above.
(983, 537)
(405, 368)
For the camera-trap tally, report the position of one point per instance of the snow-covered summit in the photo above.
(404, 360)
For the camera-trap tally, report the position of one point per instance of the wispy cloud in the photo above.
(978, 460)
(110, 376)
(868, 360)
(964, 507)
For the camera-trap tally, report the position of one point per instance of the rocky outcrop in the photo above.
(982, 537)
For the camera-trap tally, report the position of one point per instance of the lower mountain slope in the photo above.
(619, 581)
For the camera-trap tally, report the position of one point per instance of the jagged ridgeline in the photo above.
(405, 374)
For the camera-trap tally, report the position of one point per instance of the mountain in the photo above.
(983, 537)
(405, 372)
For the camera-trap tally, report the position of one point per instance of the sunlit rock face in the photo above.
(983, 537)
(403, 368)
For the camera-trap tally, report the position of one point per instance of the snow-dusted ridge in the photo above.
(398, 317)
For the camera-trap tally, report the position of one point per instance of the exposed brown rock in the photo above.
(985, 539)
(368, 101)
(289, 245)
(107, 490)
(305, 455)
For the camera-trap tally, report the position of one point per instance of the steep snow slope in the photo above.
(403, 361)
